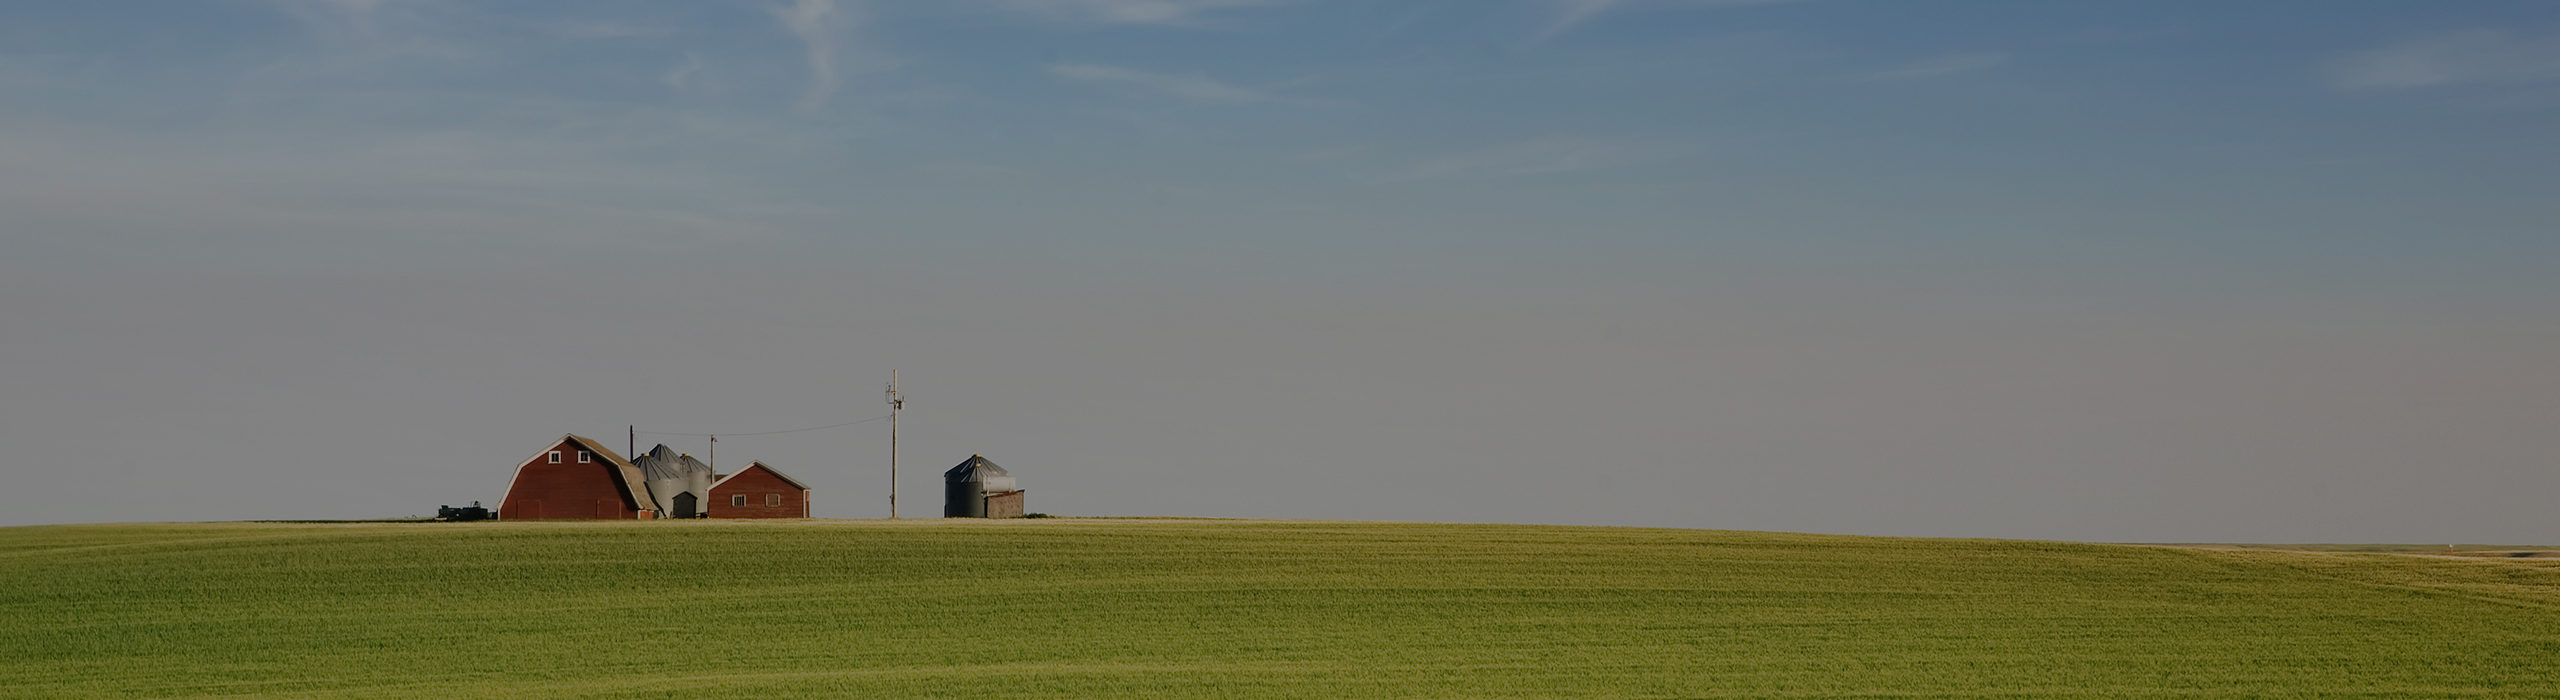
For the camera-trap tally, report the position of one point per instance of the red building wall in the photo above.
(756, 484)
(568, 490)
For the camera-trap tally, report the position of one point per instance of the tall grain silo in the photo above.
(677, 482)
(697, 480)
(966, 489)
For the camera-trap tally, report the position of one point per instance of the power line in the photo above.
(873, 419)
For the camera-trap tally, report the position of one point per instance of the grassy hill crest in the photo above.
(1099, 607)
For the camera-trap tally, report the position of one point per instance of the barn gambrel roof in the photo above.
(624, 472)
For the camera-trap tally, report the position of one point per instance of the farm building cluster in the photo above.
(577, 478)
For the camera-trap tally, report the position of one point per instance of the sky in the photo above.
(2141, 270)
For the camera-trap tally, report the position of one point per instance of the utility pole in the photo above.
(631, 445)
(715, 454)
(896, 402)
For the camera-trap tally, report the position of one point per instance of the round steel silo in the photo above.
(663, 475)
(698, 481)
(965, 487)
(670, 475)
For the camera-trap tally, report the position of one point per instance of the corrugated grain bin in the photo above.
(677, 482)
(965, 487)
(698, 479)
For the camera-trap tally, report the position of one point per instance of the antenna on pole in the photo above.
(896, 402)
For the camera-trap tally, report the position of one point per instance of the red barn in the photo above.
(577, 479)
(759, 491)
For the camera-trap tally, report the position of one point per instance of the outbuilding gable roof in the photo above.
(752, 466)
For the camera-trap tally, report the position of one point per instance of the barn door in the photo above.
(607, 510)
(684, 505)
(532, 510)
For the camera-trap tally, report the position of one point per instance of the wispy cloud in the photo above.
(362, 41)
(1547, 156)
(973, 171)
(1154, 12)
(644, 179)
(1942, 66)
(366, 21)
(342, 20)
(606, 29)
(819, 26)
(1572, 13)
(685, 76)
(1330, 154)
(2452, 58)
(1193, 86)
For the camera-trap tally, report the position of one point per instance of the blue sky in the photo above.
(1818, 129)
(1777, 251)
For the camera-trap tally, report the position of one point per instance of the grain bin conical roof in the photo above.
(660, 463)
(975, 468)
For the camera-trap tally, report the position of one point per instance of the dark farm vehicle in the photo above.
(465, 514)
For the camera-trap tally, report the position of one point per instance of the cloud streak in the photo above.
(442, 195)
(2451, 58)
(613, 30)
(817, 24)
(1943, 66)
(687, 75)
(1193, 87)
(1572, 13)
(1138, 12)
(377, 29)
(1548, 156)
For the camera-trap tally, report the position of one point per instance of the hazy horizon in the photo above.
(2113, 271)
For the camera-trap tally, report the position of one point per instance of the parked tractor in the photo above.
(466, 514)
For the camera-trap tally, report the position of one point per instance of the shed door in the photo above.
(684, 505)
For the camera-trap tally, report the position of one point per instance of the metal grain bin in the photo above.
(671, 479)
(697, 482)
(965, 487)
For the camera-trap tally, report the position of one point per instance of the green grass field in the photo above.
(1094, 608)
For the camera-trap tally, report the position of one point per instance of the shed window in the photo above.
(773, 499)
(585, 457)
(555, 456)
(738, 500)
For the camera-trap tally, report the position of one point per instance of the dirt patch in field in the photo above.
(2472, 551)
(2510, 554)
